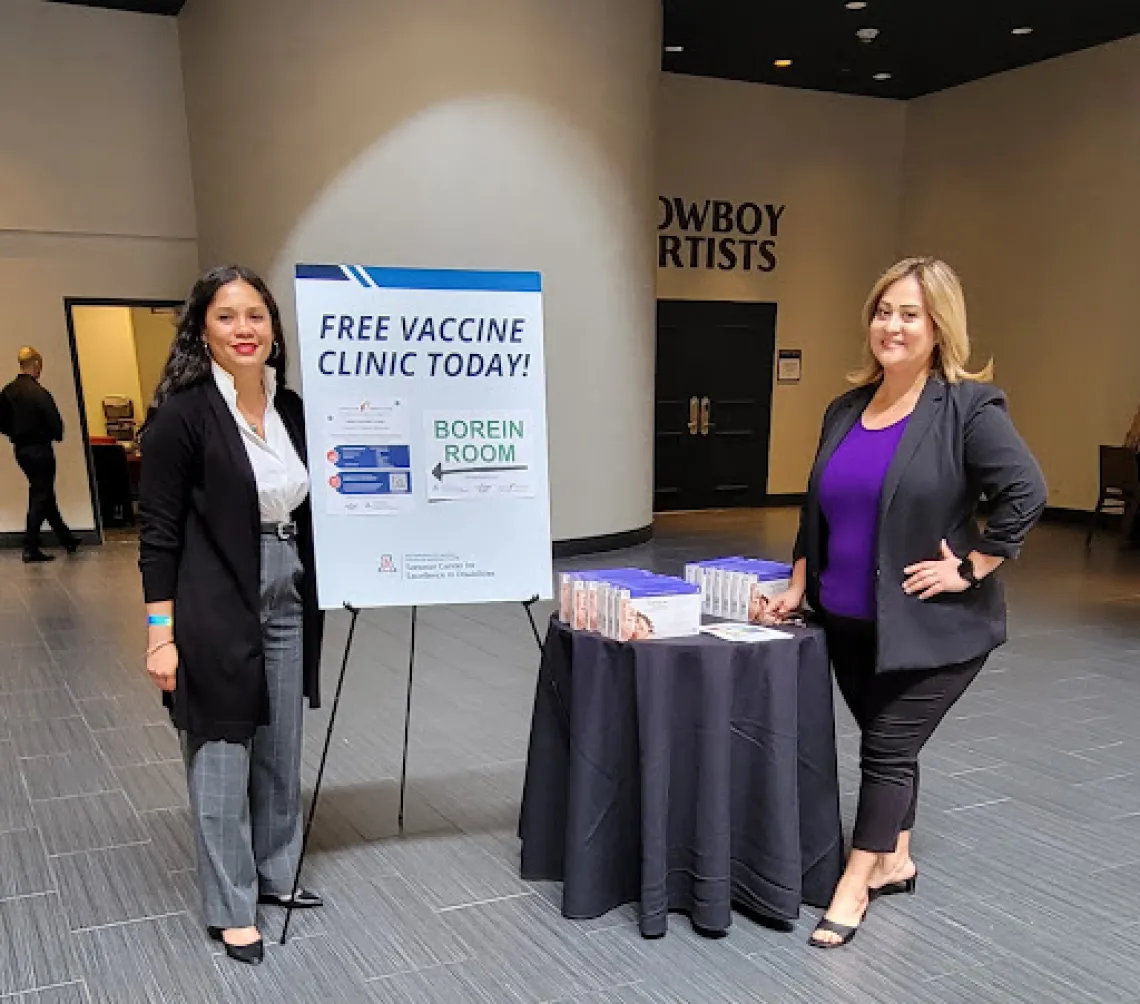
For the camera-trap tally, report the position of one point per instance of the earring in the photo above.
(275, 352)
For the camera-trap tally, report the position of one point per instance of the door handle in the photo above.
(694, 408)
(705, 411)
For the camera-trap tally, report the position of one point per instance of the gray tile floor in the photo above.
(1028, 840)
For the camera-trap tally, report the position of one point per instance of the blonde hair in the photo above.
(1132, 440)
(945, 302)
(29, 357)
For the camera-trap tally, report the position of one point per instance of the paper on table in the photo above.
(744, 632)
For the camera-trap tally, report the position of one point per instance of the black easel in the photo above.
(321, 770)
(355, 612)
(527, 604)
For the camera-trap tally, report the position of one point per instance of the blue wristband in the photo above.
(159, 620)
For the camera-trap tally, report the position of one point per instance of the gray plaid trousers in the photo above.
(245, 798)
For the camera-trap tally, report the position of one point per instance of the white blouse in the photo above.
(282, 481)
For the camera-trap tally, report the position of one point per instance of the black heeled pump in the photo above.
(250, 954)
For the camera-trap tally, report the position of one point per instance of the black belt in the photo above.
(282, 531)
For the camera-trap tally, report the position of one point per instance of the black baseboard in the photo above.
(604, 542)
(1061, 514)
(782, 499)
(9, 541)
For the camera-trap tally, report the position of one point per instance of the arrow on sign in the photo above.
(439, 473)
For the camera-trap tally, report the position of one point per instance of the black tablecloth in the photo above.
(685, 775)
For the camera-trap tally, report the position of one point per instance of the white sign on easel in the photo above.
(425, 401)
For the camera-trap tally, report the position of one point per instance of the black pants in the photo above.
(38, 465)
(897, 713)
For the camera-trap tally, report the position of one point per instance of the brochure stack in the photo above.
(735, 588)
(629, 604)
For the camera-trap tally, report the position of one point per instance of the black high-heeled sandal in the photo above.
(908, 886)
(846, 934)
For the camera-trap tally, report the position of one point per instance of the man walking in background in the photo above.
(29, 417)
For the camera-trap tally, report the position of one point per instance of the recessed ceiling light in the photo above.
(783, 64)
(856, 4)
(882, 76)
(674, 48)
(1022, 31)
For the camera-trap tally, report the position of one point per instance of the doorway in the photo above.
(714, 404)
(119, 349)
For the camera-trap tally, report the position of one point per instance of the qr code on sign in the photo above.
(399, 482)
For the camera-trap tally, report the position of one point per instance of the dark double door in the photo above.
(714, 404)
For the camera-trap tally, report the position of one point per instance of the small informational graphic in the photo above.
(368, 459)
(368, 493)
(368, 421)
(479, 455)
(425, 404)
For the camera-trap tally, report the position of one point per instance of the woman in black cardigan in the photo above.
(234, 632)
(891, 555)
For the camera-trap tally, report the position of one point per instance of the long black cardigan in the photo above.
(200, 547)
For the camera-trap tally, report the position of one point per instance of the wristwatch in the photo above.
(966, 570)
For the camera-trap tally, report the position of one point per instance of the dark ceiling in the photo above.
(925, 45)
(169, 7)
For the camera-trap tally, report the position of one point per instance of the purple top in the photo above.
(849, 493)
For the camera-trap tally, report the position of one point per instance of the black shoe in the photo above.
(304, 900)
(909, 886)
(845, 933)
(72, 545)
(37, 556)
(251, 954)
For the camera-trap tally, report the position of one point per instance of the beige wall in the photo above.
(95, 194)
(154, 334)
(513, 134)
(835, 163)
(108, 364)
(1029, 184)
(1026, 182)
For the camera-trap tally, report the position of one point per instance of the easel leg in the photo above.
(527, 604)
(321, 770)
(407, 721)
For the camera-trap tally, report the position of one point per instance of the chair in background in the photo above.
(1119, 490)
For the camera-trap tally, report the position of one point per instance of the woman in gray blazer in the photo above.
(890, 553)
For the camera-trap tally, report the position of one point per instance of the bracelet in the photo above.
(159, 620)
(161, 645)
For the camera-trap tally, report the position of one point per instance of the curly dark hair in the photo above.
(189, 362)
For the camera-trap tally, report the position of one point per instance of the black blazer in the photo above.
(958, 445)
(200, 547)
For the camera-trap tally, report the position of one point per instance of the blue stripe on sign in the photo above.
(358, 272)
(466, 280)
(332, 273)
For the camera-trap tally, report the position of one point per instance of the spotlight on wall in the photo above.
(1022, 31)
(674, 48)
(882, 76)
(867, 35)
(856, 4)
(783, 64)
